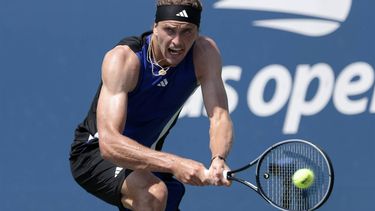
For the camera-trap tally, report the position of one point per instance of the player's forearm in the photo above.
(127, 153)
(221, 134)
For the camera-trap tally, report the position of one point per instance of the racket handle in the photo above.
(206, 172)
(225, 174)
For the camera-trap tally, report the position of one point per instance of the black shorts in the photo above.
(104, 180)
(96, 175)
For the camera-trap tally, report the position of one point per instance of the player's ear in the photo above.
(154, 29)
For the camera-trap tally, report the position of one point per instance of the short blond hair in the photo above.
(193, 3)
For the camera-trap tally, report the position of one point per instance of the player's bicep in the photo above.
(119, 78)
(111, 111)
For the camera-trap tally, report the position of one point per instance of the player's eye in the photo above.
(187, 31)
(170, 30)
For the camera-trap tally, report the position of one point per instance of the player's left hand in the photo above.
(218, 166)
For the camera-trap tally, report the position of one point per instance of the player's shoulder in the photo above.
(206, 57)
(120, 51)
(121, 61)
(120, 67)
(204, 45)
(121, 54)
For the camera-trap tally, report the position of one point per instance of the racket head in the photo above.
(276, 167)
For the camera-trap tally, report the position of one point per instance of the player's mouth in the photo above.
(174, 51)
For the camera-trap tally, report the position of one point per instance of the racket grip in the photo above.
(206, 172)
(225, 174)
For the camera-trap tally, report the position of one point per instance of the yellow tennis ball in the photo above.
(303, 178)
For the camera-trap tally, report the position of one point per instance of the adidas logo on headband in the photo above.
(183, 13)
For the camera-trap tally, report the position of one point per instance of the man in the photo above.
(145, 82)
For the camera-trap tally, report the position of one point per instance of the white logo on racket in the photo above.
(322, 17)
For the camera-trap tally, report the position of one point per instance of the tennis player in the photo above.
(116, 154)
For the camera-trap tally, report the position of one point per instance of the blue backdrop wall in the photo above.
(292, 69)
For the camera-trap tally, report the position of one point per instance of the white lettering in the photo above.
(309, 94)
(347, 85)
(257, 87)
(193, 106)
(372, 108)
(298, 106)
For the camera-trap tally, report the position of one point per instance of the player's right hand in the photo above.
(191, 172)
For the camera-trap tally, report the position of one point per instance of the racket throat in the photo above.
(246, 183)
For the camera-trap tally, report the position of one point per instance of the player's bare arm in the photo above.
(120, 75)
(208, 66)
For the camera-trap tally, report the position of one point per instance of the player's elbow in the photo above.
(105, 147)
(105, 152)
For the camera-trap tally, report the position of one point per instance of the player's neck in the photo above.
(157, 56)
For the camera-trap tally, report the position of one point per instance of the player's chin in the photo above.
(174, 59)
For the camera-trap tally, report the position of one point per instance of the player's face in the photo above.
(173, 41)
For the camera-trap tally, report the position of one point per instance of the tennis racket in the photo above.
(275, 169)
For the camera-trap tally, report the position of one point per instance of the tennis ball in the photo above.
(303, 178)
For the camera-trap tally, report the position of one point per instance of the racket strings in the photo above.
(280, 163)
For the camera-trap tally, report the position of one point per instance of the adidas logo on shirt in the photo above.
(163, 83)
(183, 13)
